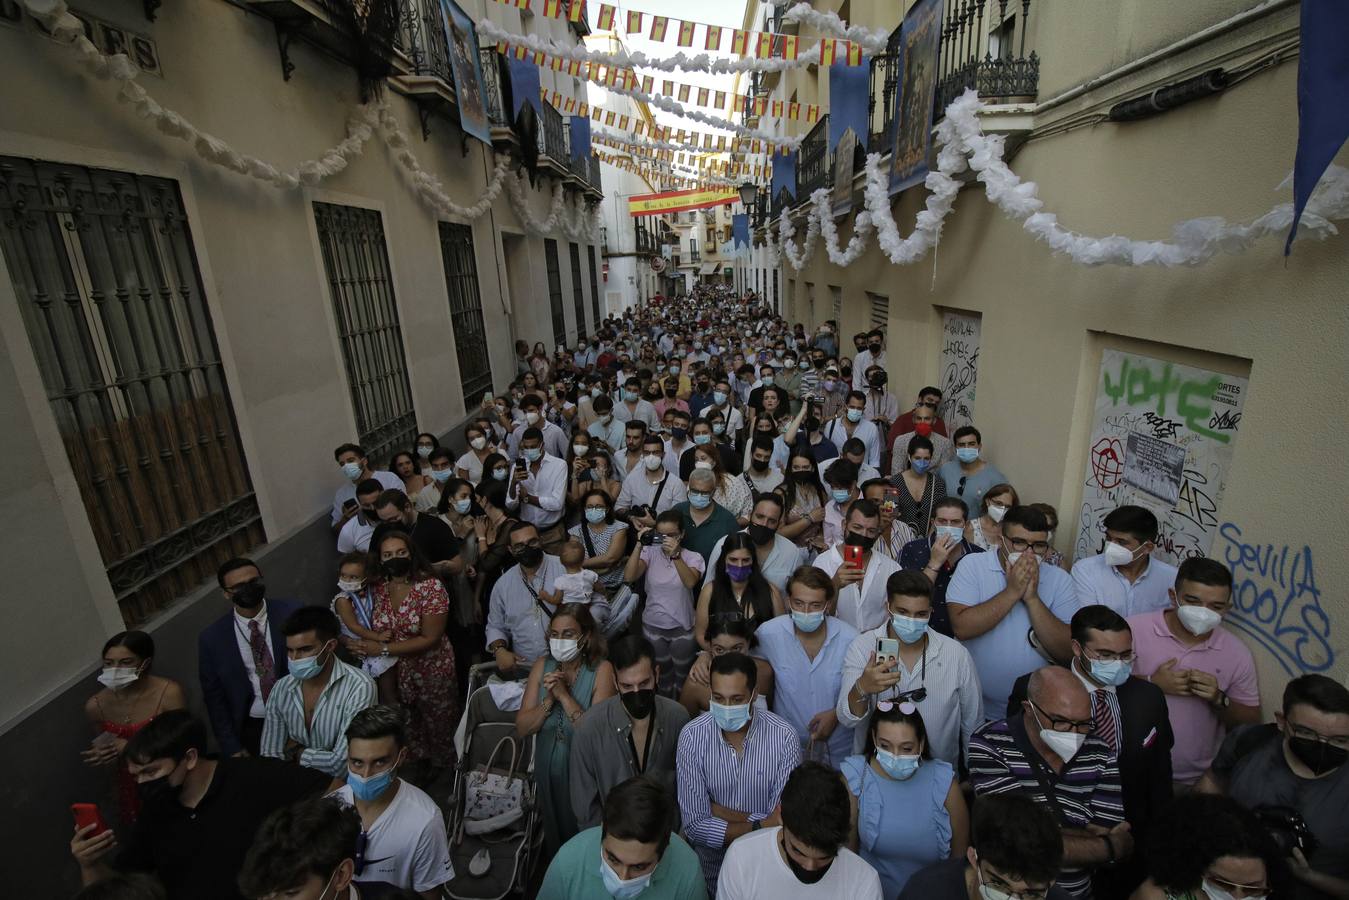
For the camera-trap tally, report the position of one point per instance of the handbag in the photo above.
(494, 800)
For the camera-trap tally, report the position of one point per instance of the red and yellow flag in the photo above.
(720, 100)
(827, 50)
(605, 22)
(576, 11)
(647, 83)
(658, 26)
(793, 110)
(667, 88)
(683, 93)
(854, 55)
(634, 22)
(713, 41)
(685, 34)
(609, 117)
(812, 114)
(763, 46)
(552, 8)
(703, 94)
(777, 109)
(789, 43)
(738, 41)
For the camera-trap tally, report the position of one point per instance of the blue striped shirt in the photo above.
(1087, 790)
(710, 771)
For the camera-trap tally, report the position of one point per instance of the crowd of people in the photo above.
(772, 634)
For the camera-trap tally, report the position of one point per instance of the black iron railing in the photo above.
(493, 78)
(593, 172)
(694, 256)
(551, 141)
(984, 47)
(881, 96)
(812, 166)
(421, 37)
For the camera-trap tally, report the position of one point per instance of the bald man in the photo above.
(1047, 752)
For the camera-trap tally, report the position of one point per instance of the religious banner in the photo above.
(919, 38)
(466, 64)
(679, 201)
(845, 157)
(1162, 438)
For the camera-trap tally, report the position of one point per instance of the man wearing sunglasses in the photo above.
(1048, 753)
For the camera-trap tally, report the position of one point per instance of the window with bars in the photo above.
(577, 293)
(594, 287)
(776, 308)
(470, 334)
(555, 291)
(111, 298)
(880, 311)
(357, 265)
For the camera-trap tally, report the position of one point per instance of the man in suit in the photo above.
(1128, 713)
(240, 656)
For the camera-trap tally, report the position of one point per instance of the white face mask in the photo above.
(996, 511)
(115, 678)
(1065, 744)
(532, 418)
(580, 449)
(1213, 892)
(564, 649)
(350, 587)
(1198, 619)
(652, 462)
(478, 443)
(1118, 554)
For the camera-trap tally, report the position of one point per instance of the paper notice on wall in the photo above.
(1162, 438)
(959, 366)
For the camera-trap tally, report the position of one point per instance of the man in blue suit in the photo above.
(240, 656)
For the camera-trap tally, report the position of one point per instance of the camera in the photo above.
(1287, 829)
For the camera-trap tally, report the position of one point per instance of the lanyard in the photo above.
(640, 764)
(535, 594)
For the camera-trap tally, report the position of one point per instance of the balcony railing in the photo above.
(493, 78)
(421, 37)
(881, 96)
(593, 172)
(989, 57)
(551, 141)
(812, 166)
(694, 256)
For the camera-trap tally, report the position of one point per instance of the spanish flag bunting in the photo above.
(538, 57)
(789, 42)
(713, 41)
(570, 106)
(596, 113)
(574, 67)
(685, 34)
(605, 22)
(647, 82)
(658, 26)
(576, 12)
(777, 109)
(721, 142)
(720, 100)
(552, 8)
(583, 110)
(683, 93)
(827, 50)
(760, 106)
(812, 113)
(622, 123)
(854, 55)
(609, 117)
(521, 52)
(634, 22)
(522, 4)
(793, 110)
(763, 46)
(738, 40)
(667, 88)
(502, 48)
(555, 63)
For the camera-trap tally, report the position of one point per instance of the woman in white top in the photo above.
(732, 492)
(986, 531)
(469, 466)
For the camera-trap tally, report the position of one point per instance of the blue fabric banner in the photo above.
(580, 137)
(849, 90)
(1322, 86)
(915, 93)
(784, 174)
(466, 64)
(740, 230)
(524, 86)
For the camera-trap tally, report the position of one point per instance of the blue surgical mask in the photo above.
(702, 439)
(500, 474)
(854, 415)
(840, 496)
(920, 465)
(768, 381)
(897, 766)
(532, 454)
(1111, 671)
(463, 506)
(730, 718)
(699, 500)
(808, 621)
(954, 532)
(718, 428)
(617, 887)
(371, 787)
(719, 397)
(352, 470)
(908, 629)
(629, 396)
(440, 476)
(596, 515)
(967, 454)
(304, 669)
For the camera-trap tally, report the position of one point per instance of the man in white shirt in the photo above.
(604, 425)
(840, 480)
(851, 424)
(803, 858)
(652, 488)
(406, 844)
(776, 555)
(554, 438)
(861, 589)
(1125, 577)
(538, 488)
(355, 465)
(355, 534)
(873, 355)
(722, 395)
(632, 407)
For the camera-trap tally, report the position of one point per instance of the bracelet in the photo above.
(755, 825)
(1109, 848)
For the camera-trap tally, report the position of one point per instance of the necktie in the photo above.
(262, 659)
(1104, 720)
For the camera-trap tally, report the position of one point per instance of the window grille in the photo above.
(555, 291)
(470, 334)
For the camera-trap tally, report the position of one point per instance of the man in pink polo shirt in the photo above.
(1206, 672)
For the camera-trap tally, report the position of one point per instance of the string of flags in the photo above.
(659, 175)
(759, 44)
(733, 167)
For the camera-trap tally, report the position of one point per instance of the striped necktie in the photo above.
(1104, 720)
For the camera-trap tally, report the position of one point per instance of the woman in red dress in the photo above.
(130, 698)
(410, 602)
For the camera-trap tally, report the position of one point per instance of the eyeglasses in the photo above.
(1334, 740)
(904, 706)
(1062, 725)
(1108, 656)
(532, 545)
(1019, 545)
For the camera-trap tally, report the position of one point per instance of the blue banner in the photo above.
(1322, 85)
(919, 40)
(740, 230)
(524, 86)
(466, 64)
(849, 93)
(784, 175)
(580, 137)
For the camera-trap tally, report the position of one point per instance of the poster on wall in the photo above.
(466, 64)
(1162, 437)
(915, 95)
(959, 368)
(844, 157)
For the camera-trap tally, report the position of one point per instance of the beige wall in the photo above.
(1046, 319)
(264, 281)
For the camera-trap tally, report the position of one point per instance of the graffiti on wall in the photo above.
(1275, 600)
(959, 368)
(1162, 438)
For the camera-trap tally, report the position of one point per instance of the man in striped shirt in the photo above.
(308, 711)
(731, 765)
(1047, 753)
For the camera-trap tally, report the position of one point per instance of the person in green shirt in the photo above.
(705, 520)
(634, 853)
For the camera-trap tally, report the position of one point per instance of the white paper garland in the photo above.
(871, 40)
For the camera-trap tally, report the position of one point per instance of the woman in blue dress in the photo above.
(907, 808)
(562, 686)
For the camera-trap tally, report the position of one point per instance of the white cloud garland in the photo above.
(871, 40)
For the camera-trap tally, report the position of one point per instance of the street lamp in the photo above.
(747, 192)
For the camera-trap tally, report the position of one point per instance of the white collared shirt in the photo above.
(241, 637)
(549, 484)
(860, 604)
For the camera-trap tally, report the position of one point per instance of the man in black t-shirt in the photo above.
(435, 541)
(198, 815)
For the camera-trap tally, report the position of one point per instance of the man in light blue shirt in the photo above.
(606, 426)
(806, 649)
(1125, 577)
(969, 476)
(1010, 609)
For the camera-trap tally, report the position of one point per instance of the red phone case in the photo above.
(87, 814)
(852, 555)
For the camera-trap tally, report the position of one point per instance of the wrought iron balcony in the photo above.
(421, 38)
(694, 256)
(813, 169)
(881, 96)
(593, 173)
(991, 58)
(551, 141)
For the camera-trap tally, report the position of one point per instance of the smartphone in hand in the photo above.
(852, 555)
(887, 650)
(87, 814)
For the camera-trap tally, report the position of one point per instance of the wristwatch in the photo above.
(385, 651)
(1223, 700)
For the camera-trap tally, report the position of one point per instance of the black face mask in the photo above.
(530, 557)
(874, 348)
(818, 363)
(640, 703)
(397, 566)
(854, 539)
(156, 790)
(759, 465)
(250, 594)
(760, 534)
(812, 426)
(1317, 756)
(879, 379)
(846, 372)
(802, 875)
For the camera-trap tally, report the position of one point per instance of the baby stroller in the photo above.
(493, 818)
